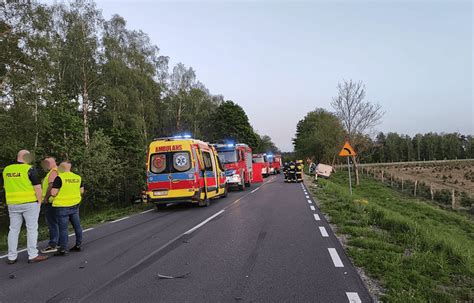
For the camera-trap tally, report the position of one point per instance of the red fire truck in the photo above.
(275, 163)
(237, 160)
(263, 161)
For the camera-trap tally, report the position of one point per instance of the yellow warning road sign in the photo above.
(347, 150)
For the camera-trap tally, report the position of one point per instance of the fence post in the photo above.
(402, 184)
(431, 192)
(414, 192)
(391, 180)
(382, 175)
(453, 201)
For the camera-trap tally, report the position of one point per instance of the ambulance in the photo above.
(262, 161)
(183, 170)
(237, 160)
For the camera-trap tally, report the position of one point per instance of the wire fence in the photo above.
(452, 198)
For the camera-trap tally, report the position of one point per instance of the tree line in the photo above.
(77, 86)
(321, 134)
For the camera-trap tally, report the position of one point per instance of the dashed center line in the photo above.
(335, 257)
(323, 231)
(316, 217)
(203, 222)
(312, 207)
(307, 197)
(353, 297)
(309, 201)
(255, 190)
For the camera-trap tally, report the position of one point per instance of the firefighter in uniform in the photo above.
(67, 191)
(285, 171)
(291, 172)
(23, 196)
(299, 170)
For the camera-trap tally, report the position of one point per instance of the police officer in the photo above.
(49, 165)
(67, 191)
(23, 195)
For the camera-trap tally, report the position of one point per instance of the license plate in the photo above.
(160, 193)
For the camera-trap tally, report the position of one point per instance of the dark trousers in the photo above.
(52, 223)
(64, 215)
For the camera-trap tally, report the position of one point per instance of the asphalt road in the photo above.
(269, 243)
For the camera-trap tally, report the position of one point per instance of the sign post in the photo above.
(349, 170)
(348, 151)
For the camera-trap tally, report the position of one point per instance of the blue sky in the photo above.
(279, 60)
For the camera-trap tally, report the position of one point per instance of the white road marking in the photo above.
(20, 251)
(307, 197)
(335, 257)
(147, 211)
(316, 217)
(312, 207)
(309, 201)
(121, 219)
(203, 222)
(353, 297)
(70, 235)
(255, 190)
(323, 231)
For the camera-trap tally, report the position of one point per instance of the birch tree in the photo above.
(358, 116)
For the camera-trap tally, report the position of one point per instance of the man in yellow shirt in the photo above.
(23, 196)
(67, 191)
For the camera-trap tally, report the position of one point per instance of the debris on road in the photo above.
(12, 276)
(174, 277)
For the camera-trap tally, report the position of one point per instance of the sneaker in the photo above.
(49, 249)
(10, 262)
(76, 248)
(61, 253)
(38, 259)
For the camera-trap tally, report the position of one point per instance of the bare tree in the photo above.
(357, 116)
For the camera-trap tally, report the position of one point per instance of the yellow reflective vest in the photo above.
(18, 187)
(70, 192)
(45, 184)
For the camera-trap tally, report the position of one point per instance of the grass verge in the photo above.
(91, 219)
(416, 250)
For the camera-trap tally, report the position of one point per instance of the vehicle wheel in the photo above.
(160, 206)
(242, 186)
(204, 203)
(248, 184)
(226, 190)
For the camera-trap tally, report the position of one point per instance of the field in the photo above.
(416, 250)
(434, 180)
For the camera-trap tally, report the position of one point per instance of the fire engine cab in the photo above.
(262, 160)
(237, 161)
(275, 163)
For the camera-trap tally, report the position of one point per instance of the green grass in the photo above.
(416, 250)
(88, 219)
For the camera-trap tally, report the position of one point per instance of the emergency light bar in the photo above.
(173, 138)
